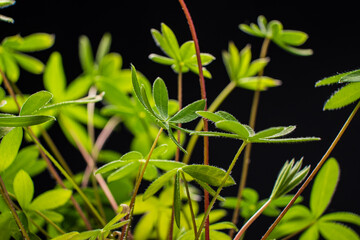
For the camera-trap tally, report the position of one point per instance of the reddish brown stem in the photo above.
(203, 96)
(314, 172)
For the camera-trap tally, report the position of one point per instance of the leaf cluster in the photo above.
(288, 40)
(181, 58)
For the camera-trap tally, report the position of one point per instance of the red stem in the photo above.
(203, 96)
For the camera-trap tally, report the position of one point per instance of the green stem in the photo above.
(10, 204)
(213, 107)
(190, 203)
(314, 172)
(207, 212)
(138, 182)
(252, 219)
(252, 121)
(48, 220)
(67, 176)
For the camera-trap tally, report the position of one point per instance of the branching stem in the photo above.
(314, 172)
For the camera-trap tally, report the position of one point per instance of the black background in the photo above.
(334, 37)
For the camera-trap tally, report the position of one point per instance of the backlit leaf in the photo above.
(161, 59)
(347, 217)
(35, 102)
(9, 147)
(51, 199)
(324, 187)
(36, 42)
(188, 113)
(177, 199)
(124, 171)
(29, 63)
(161, 97)
(7, 120)
(54, 76)
(23, 189)
(336, 231)
(312, 233)
(104, 47)
(234, 127)
(86, 54)
(209, 174)
(344, 96)
(159, 183)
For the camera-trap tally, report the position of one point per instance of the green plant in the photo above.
(110, 198)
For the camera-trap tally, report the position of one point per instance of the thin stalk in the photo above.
(190, 204)
(56, 151)
(97, 197)
(138, 182)
(252, 219)
(252, 121)
(203, 96)
(9, 89)
(227, 174)
(48, 220)
(213, 107)
(10, 204)
(314, 172)
(66, 175)
(90, 110)
(91, 164)
(180, 100)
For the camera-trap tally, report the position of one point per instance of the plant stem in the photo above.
(207, 212)
(314, 172)
(180, 100)
(66, 175)
(9, 89)
(138, 182)
(213, 107)
(190, 204)
(252, 219)
(48, 220)
(252, 121)
(10, 204)
(203, 96)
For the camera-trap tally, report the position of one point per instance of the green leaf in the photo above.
(66, 236)
(324, 187)
(35, 102)
(161, 97)
(188, 113)
(166, 165)
(333, 79)
(286, 140)
(86, 235)
(171, 40)
(124, 171)
(51, 199)
(211, 191)
(36, 42)
(86, 54)
(223, 225)
(6, 19)
(29, 63)
(274, 132)
(258, 83)
(122, 211)
(177, 199)
(347, 217)
(159, 183)
(104, 47)
(234, 127)
(54, 76)
(11, 68)
(9, 147)
(335, 231)
(187, 50)
(111, 166)
(23, 189)
(4, 131)
(7, 120)
(210, 116)
(294, 38)
(209, 174)
(351, 77)
(6, 3)
(343, 97)
(161, 59)
(312, 233)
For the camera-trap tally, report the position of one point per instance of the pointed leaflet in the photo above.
(188, 113)
(35, 42)
(177, 199)
(208, 174)
(274, 132)
(7, 120)
(29, 63)
(344, 96)
(104, 47)
(171, 40)
(124, 171)
(333, 79)
(23, 189)
(86, 54)
(35, 102)
(159, 183)
(51, 199)
(312, 233)
(9, 147)
(336, 231)
(354, 76)
(234, 127)
(161, 97)
(54, 76)
(324, 187)
(348, 217)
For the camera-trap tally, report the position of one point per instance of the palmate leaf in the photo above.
(229, 123)
(324, 187)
